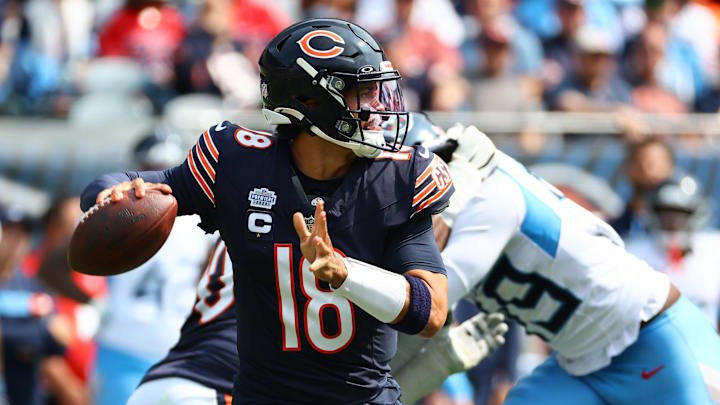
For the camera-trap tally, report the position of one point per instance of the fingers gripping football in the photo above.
(115, 193)
(477, 337)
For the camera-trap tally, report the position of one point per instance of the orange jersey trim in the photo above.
(434, 198)
(198, 178)
(211, 146)
(208, 169)
(424, 175)
(419, 196)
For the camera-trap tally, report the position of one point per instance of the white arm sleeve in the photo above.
(480, 233)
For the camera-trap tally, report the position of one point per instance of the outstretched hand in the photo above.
(116, 192)
(476, 338)
(317, 247)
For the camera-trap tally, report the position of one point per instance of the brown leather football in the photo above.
(114, 237)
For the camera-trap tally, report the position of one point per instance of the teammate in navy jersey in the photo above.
(199, 369)
(317, 317)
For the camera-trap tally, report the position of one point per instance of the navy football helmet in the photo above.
(332, 79)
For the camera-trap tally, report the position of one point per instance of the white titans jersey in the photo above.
(147, 306)
(697, 274)
(520, 247)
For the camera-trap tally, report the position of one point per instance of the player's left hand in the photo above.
(317, 247)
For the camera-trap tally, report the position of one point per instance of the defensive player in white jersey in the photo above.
(147, 306)
(621, 331)
(679, 245)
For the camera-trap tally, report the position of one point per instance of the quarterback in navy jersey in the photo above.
(317, 315)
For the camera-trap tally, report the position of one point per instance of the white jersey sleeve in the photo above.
(479, 235)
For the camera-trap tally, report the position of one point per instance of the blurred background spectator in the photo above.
(210, 60)
(560, 49)
(594, 84)
(661, 84)
(678, 244)
(666, 50)
(148, 31)
(497, 87)
(29, 77)
(40, 344)
(649, 163)
(431, 68)
(48, 263)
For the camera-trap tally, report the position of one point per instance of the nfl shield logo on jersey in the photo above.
(310, 222)
(262, 198)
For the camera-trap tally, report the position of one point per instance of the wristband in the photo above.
(418, 314)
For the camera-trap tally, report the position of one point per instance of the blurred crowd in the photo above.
(59, 56)
(94, 59)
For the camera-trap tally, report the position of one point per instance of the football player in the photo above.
(199, 369)
(622, 333)
(317, 315)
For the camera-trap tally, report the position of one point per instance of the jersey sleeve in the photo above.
(198, 172)
(433, 185)
(202, 161)
(412, 246)
(479, 236)
(192, 183)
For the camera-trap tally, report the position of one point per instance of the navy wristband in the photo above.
(418, 312)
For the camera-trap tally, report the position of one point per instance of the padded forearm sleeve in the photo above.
(378, 292)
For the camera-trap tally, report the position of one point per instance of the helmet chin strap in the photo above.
(372, 137)
(375, 138)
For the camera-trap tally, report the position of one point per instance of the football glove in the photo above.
(475, 339)
(451, 350)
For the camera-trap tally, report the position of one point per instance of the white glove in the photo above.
(472, 162)
(475, 339)
(473, 145)
(450, 351)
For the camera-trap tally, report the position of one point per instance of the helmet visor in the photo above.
(376, 95)
(372, 100)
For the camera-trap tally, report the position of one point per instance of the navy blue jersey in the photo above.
(206, 351)
(297, 342)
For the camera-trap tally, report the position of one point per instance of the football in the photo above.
(115, 237)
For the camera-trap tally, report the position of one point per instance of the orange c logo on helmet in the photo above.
(336, 50)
